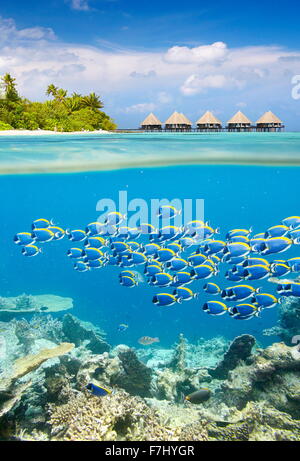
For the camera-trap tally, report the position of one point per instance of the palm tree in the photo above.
(61, 95)
(52, 90)
(73, 104)
(93, 101)
(58, 93)
(10, 87)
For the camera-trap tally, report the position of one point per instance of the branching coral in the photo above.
(115, 417)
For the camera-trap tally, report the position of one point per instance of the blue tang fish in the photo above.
(75, 253)
(76, 235)
(256, 272)
(43, 235)
(185, 294)
(215, 308)
(115, 217)
(129, 282)
(165, 299)
(162, 279)
(41, 224)
(31, 250)
(264, 300)
(97, 390)
(244, 310)
(212, 288)
(24, 238)
(177, 264)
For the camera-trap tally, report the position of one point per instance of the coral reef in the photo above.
(30, 304)
(288, 320)
(179, 360)
(78, 332)
(255, 393)
(272, 377)
(256, 422)
(239, 349)
(29, 363)
(115, 417)
(39, 327)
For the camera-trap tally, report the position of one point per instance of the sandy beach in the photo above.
(48, 132)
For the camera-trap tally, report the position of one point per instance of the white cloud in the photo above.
(140, 108)
(80, 5)
(198, 55)
(164, 98)
(9, 32)
(37, 33)
(149, 74)
(195, 84)
(241, 104)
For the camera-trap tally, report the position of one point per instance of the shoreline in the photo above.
(48, 132)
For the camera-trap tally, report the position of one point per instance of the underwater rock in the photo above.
(239, 349)
(8, 399)
(28, 304)
(174, 385)
(76, 332)
(134, 376)
(256, 422)
(273, 377)
(288, 320)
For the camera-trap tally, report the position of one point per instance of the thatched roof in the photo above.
(239, 119)
(208, 119)
(186, 120)
(268, 117)
(151, 119)
(178, 119)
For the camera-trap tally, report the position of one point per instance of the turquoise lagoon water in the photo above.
(245, 179)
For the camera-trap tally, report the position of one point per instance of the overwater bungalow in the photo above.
(187, 121)
(239, 122)
(151, 123)
(269, 122)
(178, 122)
(208, 122)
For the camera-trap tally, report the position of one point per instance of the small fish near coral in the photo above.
(198, 396)
(147, 340)
(122, 327)
(97, 390)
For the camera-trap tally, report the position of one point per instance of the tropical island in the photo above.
(62, 113)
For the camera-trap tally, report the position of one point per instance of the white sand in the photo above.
(47, 132)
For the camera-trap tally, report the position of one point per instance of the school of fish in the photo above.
(173, 257)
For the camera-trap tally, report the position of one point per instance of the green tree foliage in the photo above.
(61, 113)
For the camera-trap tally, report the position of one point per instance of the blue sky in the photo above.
(158, 56)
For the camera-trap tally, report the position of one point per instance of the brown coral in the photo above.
(114, 417)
